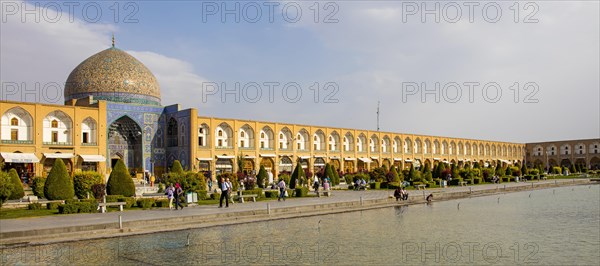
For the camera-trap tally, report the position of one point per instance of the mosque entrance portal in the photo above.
(125, 142)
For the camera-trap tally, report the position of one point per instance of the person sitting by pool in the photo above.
(429, 198)
(398, 193)
(404, 194)
(357, 184)
(363, 184)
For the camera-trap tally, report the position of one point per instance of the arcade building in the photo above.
(113, 111)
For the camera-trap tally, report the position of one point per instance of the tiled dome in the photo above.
(113, 75)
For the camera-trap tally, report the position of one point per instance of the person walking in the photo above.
(178, 196)
(225, 189)
(170, 191)
(281, 190)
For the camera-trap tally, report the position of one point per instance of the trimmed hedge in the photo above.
(257, 191)
(215, 196)
(301, 192)
(161, 203)
(52, 205)
(58, 185)
(34, 206)
(272, 194)
(78, 207)
(376, 185)
(120, 182)
(145, 203)
(129, 202)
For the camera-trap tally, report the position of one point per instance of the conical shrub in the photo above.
(17, 188)
(59, 185)
(120, 182)
(177, 168)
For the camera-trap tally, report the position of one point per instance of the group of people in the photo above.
(175, 193)
(400, 194)
(360, 184)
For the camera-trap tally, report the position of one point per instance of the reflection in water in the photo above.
(558, 226)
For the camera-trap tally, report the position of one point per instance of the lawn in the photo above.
(24, 212)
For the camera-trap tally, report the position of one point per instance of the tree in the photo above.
(5, 187)
(17, 188)
(120, 182)
(439, 170)
(261, 177)
(524, 169)
(411, 173)
(573, 169)
(454, 171)
(177, 168)
(392, 175)
(296, 175)
(59, 185)
(335, 180)
(499, 169)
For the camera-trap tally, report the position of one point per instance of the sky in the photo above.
(506, 71)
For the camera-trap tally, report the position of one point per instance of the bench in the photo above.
(241, 197)
(103, 205)
(462, 183)
(420, 186)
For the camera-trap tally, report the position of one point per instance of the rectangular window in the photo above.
(280, 145)
(262, 145)
(220, 144)
(242, 143)
(298, 145)
(200, 141)
(315, 147)
(85, 137)
(54, 136)
(14, 134)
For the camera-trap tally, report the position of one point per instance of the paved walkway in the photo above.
(60, 221)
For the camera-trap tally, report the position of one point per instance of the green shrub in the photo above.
(52, 205)
(37, 186)
(393, 185)
(257, 191)
(301, 192)
(58, 185)
(5, 187)
(120, 182)
(383, 185)
(272, 194)
(34, 206)
(71, 201)
(556, 170)
(507, 179)
(477, 180)
(68, 208)
(349, 178)
(83, 182)
(161, 203)
(176, 168)
(145, 203)
(534, 171)
(129, 202)
(431, 185)
(86, 207)
(17, 188)
(202, 195)
(192, 182)
(261, 177)
(297, 175)
(114, 198)
(215, 196)
(351, 187)
(375, 185)
(455, 181)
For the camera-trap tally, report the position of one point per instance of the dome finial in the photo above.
(113, 40)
